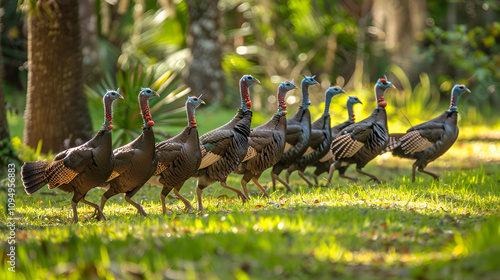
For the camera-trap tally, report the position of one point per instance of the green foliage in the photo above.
(166, 111)
(26, 153)
(468, 52)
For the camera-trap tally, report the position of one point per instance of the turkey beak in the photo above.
(203, 102)
(156, 93)
(257, 81)
(121, 97)
(467, 90)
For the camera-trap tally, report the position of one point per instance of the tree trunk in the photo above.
(90, 42)
(205, 70)
(401, 23)
(56, 109)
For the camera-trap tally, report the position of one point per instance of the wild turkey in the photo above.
(320, 140)
(324, 166)
(428, 141)
(361, 142)
(265, 144)
(178, 157)
(224, 148)
(134, 162)
(298, 132)
(78, 169)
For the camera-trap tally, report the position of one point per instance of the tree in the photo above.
(90, 42)
(205, 70)
(401, 29)
(56, 109)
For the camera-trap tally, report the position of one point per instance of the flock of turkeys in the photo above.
(292, 144)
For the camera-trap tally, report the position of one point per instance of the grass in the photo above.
(426, 230)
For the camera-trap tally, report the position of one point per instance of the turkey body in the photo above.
(222, 151)
(76, 170)
(359, 143)
(267, 144)
(178, 159)
(324, 166)
(427, 141)
(319, 144)
(135, 163)
(298, 133)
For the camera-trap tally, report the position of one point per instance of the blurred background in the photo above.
(59, 57)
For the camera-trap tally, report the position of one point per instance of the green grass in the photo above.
(427, 230)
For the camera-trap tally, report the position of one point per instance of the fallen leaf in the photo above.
(232, 200)
(168, 209)
(395, 235)
(443, 195)
(221, 197)
(384, 225)
(259, 206)
(281, 197)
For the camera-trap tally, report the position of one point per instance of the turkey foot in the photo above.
(97, 212)
(373, 177)
(140, 210)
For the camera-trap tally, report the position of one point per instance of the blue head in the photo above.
(194, 102)
(306, 82)
(147, 93)
(112, 95)
(351, 100)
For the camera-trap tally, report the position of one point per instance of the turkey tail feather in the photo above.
(33, 175)
(393, 142)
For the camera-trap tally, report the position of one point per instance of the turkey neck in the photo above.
(190, 116)
(246, 104)
(146, 115)
(379, 95)
(454, 101)
(328, 101)
(305, 95)
(350, 112)
(108, 114)
(281, 100)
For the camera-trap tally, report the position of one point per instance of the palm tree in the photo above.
(56, 109)
(205, 70)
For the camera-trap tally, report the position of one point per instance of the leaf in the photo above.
(223, 196)
(384, 225)
(281, 197)
(259, 206)
(395, 235)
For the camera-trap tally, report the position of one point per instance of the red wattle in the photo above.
(110, 127)
(382, 103)
(249, 104)
(151, 123)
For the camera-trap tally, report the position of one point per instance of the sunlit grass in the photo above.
(398, 229)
